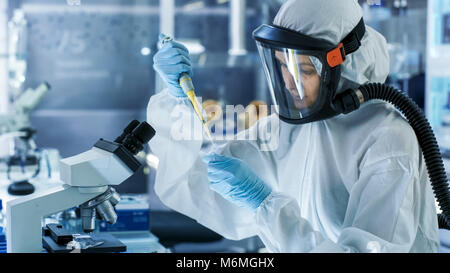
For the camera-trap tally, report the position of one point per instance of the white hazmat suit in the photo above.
(352, 183)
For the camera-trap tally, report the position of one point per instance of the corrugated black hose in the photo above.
(351, 99)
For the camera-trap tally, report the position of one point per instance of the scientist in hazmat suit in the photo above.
(332, 183)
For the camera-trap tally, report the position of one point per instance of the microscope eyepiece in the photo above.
(141, 135)
(144, 132)
(130, 127)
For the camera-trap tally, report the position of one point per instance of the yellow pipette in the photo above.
(188, 88)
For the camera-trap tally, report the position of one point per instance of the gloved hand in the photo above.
(170, 61)
(235, 181)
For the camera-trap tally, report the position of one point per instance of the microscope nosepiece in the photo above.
(115, 198)
(88, 219)
(103, 206)
(107, 212)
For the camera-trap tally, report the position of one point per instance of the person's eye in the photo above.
(308, 72)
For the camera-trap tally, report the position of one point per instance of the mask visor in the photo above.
(294, 80)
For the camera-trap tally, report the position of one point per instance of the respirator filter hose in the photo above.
(426, 139)
(442, 222)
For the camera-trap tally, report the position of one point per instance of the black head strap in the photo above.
(353, 40)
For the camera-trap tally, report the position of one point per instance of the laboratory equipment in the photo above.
(96, 67)
(20, 119)
(102, 205)
(87, 179)
(133, 224)
(131, 227)
(133, 214)
(188, 88)
(16, 126)
(56, 239)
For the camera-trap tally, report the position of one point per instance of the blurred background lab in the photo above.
(78, 70)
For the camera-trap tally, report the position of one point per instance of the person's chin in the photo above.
(300, 104)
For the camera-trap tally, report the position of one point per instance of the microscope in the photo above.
(17, 126)
(87, 183)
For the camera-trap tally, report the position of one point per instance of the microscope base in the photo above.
(24, 227)
(53, 244)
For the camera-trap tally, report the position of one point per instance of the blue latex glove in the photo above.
(170, 61)
(235, 181)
